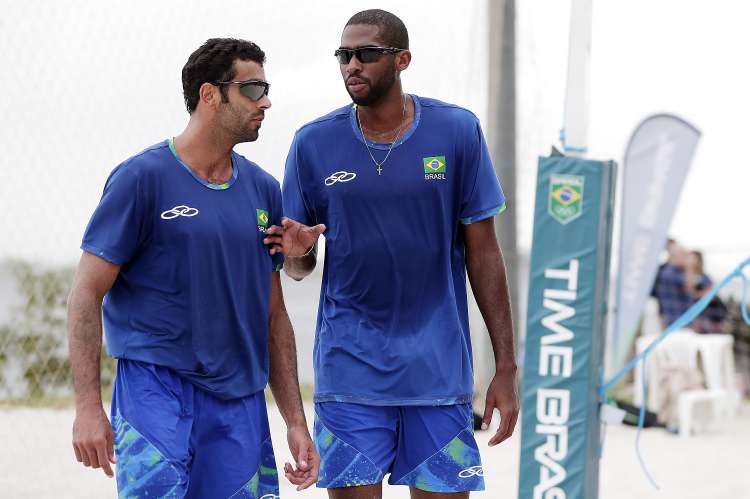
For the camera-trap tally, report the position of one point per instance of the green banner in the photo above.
(565, 332)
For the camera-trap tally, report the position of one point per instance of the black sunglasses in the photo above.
(252, 89)
(364, 54)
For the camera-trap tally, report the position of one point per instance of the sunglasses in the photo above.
(364, 54)
(252, 89)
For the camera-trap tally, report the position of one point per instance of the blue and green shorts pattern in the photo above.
(173, 440)
(431, 448)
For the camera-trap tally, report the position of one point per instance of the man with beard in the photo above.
(192, 302)
(407, 191)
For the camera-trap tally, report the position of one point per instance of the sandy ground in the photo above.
(36, 461)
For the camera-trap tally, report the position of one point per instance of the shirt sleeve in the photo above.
(277, 260)
(115, 230)
(294, 202)
(482, 196)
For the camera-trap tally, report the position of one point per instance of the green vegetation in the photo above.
(34, 364)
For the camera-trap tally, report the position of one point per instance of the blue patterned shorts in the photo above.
(173, 440)
(431, 448)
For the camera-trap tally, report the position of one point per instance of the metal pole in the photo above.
(501, 141)
(501, 133)
(574, 135)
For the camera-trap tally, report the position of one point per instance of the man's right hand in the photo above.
(93, 439)
(292, 238)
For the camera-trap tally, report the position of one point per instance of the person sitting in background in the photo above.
(697, 285)
(670, 289)
(670, 249)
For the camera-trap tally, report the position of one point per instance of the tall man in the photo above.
(193, 301)
(407, 191)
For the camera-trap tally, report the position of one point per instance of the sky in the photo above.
(87, 84)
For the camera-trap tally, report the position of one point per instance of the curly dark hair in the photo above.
(391, 30)
(214, 61)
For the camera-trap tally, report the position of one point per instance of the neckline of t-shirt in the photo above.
(401, 140)
(214, 187)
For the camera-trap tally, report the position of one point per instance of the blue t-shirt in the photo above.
(195, 278)
(669, 290)
(393, 324)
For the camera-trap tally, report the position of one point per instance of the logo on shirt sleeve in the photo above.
(262, 216)
(434, 167)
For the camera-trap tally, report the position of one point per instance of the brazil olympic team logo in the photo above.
(565, 197)
(434, 167)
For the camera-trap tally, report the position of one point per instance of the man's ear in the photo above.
(403, 59)
(209, 95)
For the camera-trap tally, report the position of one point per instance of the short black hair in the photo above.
(391, 30)
(214, 61)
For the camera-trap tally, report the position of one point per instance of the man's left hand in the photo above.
(306, 458)
(292, 238)
(503, 396)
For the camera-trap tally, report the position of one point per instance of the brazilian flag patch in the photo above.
(262, 217)
(434, 164)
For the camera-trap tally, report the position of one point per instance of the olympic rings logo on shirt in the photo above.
(470, 472)
(269, 496)
(179, 211)
(341, 176)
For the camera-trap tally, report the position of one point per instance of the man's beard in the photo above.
(376, 93)
(233, 125)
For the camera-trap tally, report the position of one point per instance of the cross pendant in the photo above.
(380, 170)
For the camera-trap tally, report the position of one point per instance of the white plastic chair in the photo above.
(721, 398)
(651, 320)
(718, 401)
(676, 350)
